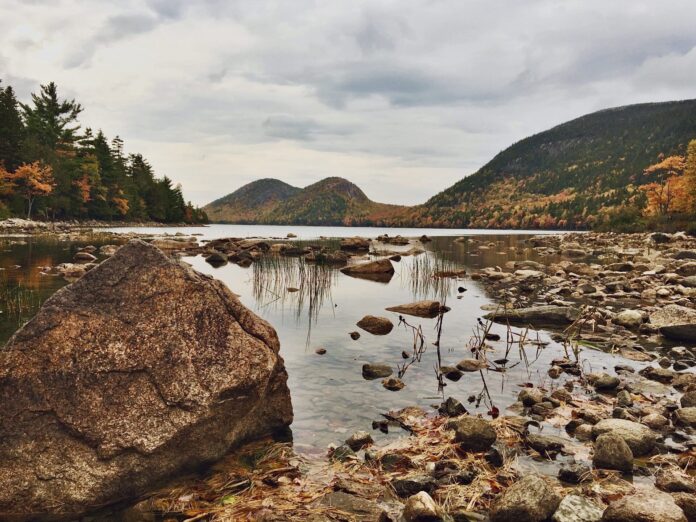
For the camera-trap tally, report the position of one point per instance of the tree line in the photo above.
(53, 169)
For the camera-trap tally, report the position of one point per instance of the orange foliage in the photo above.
(671, 192)
(121, 205)
(83, 188)
(32, 180)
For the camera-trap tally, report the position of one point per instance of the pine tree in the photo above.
(11, 129)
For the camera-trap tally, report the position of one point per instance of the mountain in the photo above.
(571, 176)
(246, 204)
(331, 201)
(584, 173)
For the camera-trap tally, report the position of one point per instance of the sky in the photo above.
(402, 97)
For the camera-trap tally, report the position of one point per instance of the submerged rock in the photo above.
(544, 315)
(428, 309)
(375, 325)
(381, 270)
(140, 369)
(675, 322)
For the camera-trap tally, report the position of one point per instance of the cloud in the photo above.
(404, 98)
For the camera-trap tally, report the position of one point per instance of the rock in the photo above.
(471, 365)
(624, 399)
(639, 438)
(216, 258)
(657, 374)
(393, 384)
(175, 244)
(687, 269)
(561, 394)
(531, 499)
(686, 416)
(355, 335)
(574, 508)
(473, 433)
(674, 481)
(659, 237)
(687, 502)
(538, 316)
(381, 270)
(342, 453)
(530, 396)
(655, 421)
(110, 250)
(646, 505)
(574, 473)
(426, 309)
(320, 351)
(360, 509)
(84, 257)
(451, 408)
(612, 452)
(117, 418)
(359, 440)
(606, 382)
(629, 319)
(355, 244)
(545, 444)
(375, 325)
(395, 462)
(421, 508)
(684, 381)
(688, 400)
(376, 371)
(675, 322)
(412, 484)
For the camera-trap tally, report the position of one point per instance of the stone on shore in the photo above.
(531, 499)
(675, 322)
(140, 369)
(639, 438)
(646, 505)
(612, 452)
(574, 508)
(543, 315)
(421, 508)
(473, 433)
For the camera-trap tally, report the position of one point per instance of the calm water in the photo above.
(330, 397)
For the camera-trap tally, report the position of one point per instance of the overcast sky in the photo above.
(402, 97)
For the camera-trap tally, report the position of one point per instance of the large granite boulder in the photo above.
(138, 370)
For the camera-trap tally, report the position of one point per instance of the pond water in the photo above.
(330, 397)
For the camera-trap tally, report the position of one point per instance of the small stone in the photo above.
(342, 453)
(574, 508)
(674, 481)
(606, 382)
(359, 440)
(471, 365)
(376, 371)
(688, 400)
(320, 351)
(410, 485)
(451, 408)
(686, 416)
(355, 335)
(639, 438)
(395, 462)
(574, 473)
(687, 502)
(421, 508)
(530, 396)
(531, 499)
(612, 452)
(562, 395)
(393, 384)
(655, 421)
(473, 433)
(376, 325)
(583, 432)
(629, 318)
(624, 399)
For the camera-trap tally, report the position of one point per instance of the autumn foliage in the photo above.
(30, 180)
(673, 190)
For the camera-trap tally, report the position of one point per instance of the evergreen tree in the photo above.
(11, 129)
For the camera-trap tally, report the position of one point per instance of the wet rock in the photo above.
(531, 396)
(360, 509)
(574, 508)
(545, 444)
(684, 381)
(687, 269)
(612, 452)
(376, 371)
(629, 318)
(395, 462)
(320, 351)
(381, 270)
(687, 502)
(118, 418)
(646, 505)
(410, 485)
(574, 473)
(686, 416)
(451, 408)
(84, 257)
(426, 309)
(688, 400)
(531, 499)
(606, 382)
(674, 481)
(355, 335)
(639, 438)
(359, 440)
(421, 508)
(655, 421)
(393, 384)
(108, 250)
(451, 372)
(471, 365)
(355, 244)
(624, 399)
(657, 374)
(538, 316)
(675, 322)
(376, 325)
(473, 433)
(342, 453)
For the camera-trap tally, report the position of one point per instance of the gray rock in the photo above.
(452, 408)
(646, 505)
(118, 419)
(473, 433)
(574, 473)
(624, 399)
(412, 484)
(687, 502)
(574, 508)
(639, 438)
(545, 444)
(612, 452)
(674, 480)
(531, 499)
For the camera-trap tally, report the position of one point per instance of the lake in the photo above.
(331, 398)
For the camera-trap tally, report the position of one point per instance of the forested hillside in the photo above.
(53, 169)
(586, 173)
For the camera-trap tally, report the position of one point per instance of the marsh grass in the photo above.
(422, 277)
(18, 303)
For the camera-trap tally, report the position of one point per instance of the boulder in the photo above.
(645, 505)
(375, 325)
(574, 508)
(473, 433)
(675, 322)
(687, 502)
(376, 371)
(140, 369)
(381, 270)
(639, 438)
(538, 316)
(531, 499)
(612, 452)
(427, 309)
(629, 319)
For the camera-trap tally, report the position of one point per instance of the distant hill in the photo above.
(580, 174)
(570, 176)
(331, 201)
